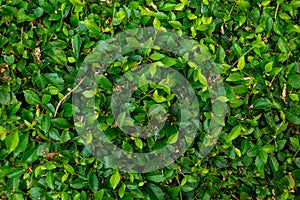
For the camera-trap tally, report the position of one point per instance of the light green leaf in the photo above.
(234, 133)
(268, 67)
(12, 141)
(50, 180)
(295, 142)
(139, 143)
(241, 63)
(114, 179)
(172, 139)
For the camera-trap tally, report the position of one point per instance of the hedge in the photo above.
(254, 48)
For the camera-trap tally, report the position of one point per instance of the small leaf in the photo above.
(45, 123)
(283, 45)
(9, 59)
(92, 26)
(238, 152)
(94, 183)
(172, 139)
(114, 180)
(268, 67)
(295, 142)
(263, 156)
(273, 163)
(139, 143)
(31, 97)
(293, 115)
(175, 24)
(269, 148)
(156, 56)
(12, 141)
(158, 98)
(235, 132)
(262, 103)
(235, 77)
(241, 63)
(61, 123)
(50, 180)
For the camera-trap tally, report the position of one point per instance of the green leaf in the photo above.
(156, 56)
(45, 123)
(61, 123)
(241, 63)
(294, 80)
(57, 55)
(269, 148)
(175, 24)
(30, 156)
(294, 97)
(263, 156)
(92, 26)
(69, 168)
(262, 103)
(121, 191)
(235, 77)
(293, 115)
(139, 143)
(88, 94)
(273, 163)
(155, 193)
(55, 17)
(158, 98)
(3, 132)
(172, 139)
(4, 97)
(13, 109)
(65, 196)
(295, 142)
(133, 42)
(156, 178)
(94, 183)
(283, 45)
(9, 59)
(12, 141)
(234, 133)
(76, 44)
(50, 180)
(22, 145)
(104, 82)
(114, 179)
(268, 67)
(31, 97)
(38, 12)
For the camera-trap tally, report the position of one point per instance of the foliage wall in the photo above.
(256, 43)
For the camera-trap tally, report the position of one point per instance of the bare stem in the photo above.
(64, 98)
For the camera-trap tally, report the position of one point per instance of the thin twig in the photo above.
(64, 98)
(276, 11)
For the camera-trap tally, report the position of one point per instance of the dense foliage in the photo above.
(256, 43)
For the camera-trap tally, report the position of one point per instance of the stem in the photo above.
(242, 55)
(64, 98)
(276, 12)
(296, 153)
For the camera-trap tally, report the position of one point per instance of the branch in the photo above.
(64, 98)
